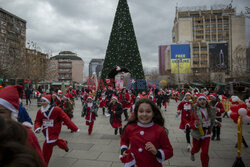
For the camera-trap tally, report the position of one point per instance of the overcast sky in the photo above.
(84, 26)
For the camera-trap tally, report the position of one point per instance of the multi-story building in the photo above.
(95, 66)
(36, 65)
(12, 44)
(217, 40)
(67, 67)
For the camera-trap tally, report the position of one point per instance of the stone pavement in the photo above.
(101, 149)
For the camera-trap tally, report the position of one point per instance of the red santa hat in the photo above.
(59, 92)
(90, 97)
(66, 96)
(54, 94)
(118, 68)
(103, 94)
(9, 98)
(114, 97)
(213, 95)
(188, 93)
(202, 96)
(47, 98)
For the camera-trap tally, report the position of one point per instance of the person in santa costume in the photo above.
(176, 96)
(132, 99)
(164, 99)
(9, 106)
(125, 101)
(202, 122)
(89, 110)
(71, 92)
(151, 96)
(215, 102)
(115, 111)
(103, 101)
(49, 119)
(67, 106)
(14, 150)
(185, 109)
(144, 141)
(56, 100)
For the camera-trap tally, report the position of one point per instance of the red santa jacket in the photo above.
(32, 141)
(132, 98)
(102, 100)
(219, 109)
(71, 92)
(51, 123)
(125, 100)
(185, 109)
(136, 135)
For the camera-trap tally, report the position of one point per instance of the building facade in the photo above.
(12, 45)
(217, 41)
(36, 65)
(95, 66)
(66, 67)
(162, 51)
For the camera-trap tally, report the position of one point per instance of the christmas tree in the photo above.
(122, 53)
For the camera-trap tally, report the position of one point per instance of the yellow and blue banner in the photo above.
(180, 58)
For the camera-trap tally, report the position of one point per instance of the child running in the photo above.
(144, 141)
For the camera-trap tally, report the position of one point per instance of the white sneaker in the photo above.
(189, 148)
(192, 157)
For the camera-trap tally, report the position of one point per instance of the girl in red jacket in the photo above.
(144, 141)
(103, 101)
(184, 108)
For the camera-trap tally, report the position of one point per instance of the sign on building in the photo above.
(180, 58)
(218, 57)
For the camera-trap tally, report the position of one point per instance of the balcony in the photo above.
(64, 60)
(64, 66)
(65, 72)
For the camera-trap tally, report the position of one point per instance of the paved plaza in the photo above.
(102, 148)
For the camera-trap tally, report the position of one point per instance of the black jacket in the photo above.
(118, 112)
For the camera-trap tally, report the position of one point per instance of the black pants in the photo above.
(103, 110)
(188, 134)
(125, 111)
(225, 115)
(216, 129)
(28, 100)
(120, 131)
(159, 105)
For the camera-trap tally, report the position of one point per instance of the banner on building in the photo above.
(218, 57)
(180, 58)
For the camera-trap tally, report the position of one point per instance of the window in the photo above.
(203, 48)
(195, 56)
(196, 49)
(203, 55)
(204, 62)
(195, 62)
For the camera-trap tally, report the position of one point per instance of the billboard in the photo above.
(218, 57)
(180, 58)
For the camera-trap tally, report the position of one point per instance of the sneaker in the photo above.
(189, 148)
(192, 157)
